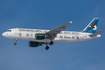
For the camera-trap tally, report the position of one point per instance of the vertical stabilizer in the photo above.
(92, 26)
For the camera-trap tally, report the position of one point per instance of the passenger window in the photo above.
(67, 37)
(60, 36)
(77, 37)
(73, 37)
(20, 34)
(31, 34)
(27, 34)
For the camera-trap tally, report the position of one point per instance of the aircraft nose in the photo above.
(3, 34)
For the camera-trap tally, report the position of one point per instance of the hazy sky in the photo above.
(49, 14)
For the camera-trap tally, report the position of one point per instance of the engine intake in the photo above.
(34, 44)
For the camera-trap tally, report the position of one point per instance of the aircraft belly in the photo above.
(65, 40)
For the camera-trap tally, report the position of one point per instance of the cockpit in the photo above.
(8, 30)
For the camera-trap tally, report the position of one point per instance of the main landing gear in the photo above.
(47, 47)
(15, 42)
(51, 43)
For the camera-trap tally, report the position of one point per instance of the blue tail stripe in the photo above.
(92, 26)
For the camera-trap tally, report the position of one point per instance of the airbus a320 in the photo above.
(38, 37)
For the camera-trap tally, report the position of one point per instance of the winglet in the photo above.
(95, 34)
(71, 22)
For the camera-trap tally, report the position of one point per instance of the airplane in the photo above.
(38, 37)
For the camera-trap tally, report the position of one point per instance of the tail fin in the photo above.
(92, 26)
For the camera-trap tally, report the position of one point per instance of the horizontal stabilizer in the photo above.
(95, 34)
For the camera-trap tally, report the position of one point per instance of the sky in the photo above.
(49, 14)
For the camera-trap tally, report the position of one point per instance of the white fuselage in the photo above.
(64, 36)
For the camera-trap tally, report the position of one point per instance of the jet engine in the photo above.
(34, 44)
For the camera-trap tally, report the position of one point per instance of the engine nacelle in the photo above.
(39, 36)
(34, 44)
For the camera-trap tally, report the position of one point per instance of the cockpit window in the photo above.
(8, 30)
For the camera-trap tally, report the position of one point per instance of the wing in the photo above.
(52, 33)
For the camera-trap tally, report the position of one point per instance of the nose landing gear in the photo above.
(15, 42)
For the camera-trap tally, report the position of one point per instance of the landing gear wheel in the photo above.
(15, 43)
(47, 47)
(51, 43)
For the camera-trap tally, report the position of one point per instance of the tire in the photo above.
(51, 43)
(15, 43)
(47, 47)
